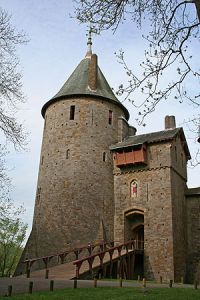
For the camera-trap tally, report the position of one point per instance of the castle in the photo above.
(99, 180)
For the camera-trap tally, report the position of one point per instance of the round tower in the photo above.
(75, 199)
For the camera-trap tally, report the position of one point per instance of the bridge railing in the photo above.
(128, 246)
(62, 255)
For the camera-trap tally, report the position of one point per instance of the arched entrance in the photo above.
(134, 230)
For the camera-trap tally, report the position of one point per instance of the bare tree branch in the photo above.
(10, 81)
(173, 26)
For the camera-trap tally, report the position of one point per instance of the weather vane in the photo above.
(90, 31)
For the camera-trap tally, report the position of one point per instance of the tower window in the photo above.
(110, 117)
(38, 193)
(104, 156)
(45, 121)
(182, 159)
(72, 112)
(67, 154)
(175, 153)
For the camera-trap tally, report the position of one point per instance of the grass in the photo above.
(113, 293)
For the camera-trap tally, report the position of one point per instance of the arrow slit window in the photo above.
(110, 117)
(72, 112)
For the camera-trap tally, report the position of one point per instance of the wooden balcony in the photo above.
(131, 156)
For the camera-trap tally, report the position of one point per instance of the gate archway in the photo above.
(134, 230)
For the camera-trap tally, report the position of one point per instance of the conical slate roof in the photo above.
(77, 84)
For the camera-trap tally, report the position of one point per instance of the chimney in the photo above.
(170, 122)
(92, 73)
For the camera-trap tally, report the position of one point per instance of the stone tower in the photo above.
(74, 200)
(149, 186)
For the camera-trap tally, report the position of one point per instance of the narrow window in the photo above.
(175, 153)
(182, 159)
(38, 193)
(110, 117)
(104, 156)
(45, 122)
(72, 112)
(134, 189)
(42, 160)
(67, 154)
(92, 117)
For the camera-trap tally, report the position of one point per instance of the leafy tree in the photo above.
(10, 81)
(173, 26)
(12, 235)
(12, 230)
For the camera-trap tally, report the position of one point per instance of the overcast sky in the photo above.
(57, 44)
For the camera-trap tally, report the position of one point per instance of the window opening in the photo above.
(175, 153)
(67, 154)
(134, 189)
(104, 156)
(182, 159)
(45, 121)
(92, 117)
(38, 193)
(72, 112)
(110, 117)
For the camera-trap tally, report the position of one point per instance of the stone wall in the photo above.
(178, 185)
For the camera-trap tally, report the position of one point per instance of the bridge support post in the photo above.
(170, 283)
(132, 264)
(129, 266)
(9, 290)
(195, 284)
(111, 268)
(120, 282)
(119, 268)
(95, 282)
(144, 282)
(75, 283)
(30, 287)
(104, 271)
(51, 285)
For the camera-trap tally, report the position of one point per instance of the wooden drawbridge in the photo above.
(102, 259)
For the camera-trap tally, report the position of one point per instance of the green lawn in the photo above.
(113, 293)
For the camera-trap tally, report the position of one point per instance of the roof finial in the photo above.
(89, 42)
